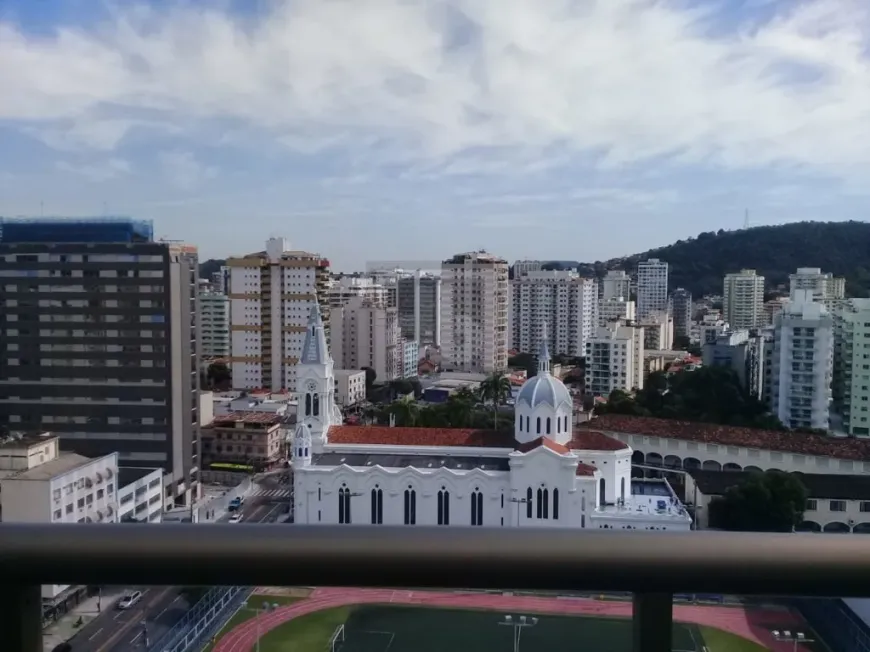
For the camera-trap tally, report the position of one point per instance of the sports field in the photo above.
(381, 628)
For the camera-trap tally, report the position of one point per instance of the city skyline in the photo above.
(440, 126)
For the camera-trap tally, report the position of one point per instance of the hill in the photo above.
(210, 266)
(699, 264)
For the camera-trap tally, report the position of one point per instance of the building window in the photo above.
(539, 426)
(316, 402)
(838, 505)
(344, 505)
(529, 503)
(527, 424)
(811, 505)
(543, 503)
(410, 506)
(601, 490)
(555, 504)
(443, 507)
(521, 424)
(377, 506)
(548, 425)
(308, 405)
(476, 507)
(565, 428)
(865, 506)
(622, 488)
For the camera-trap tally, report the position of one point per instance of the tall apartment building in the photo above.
(419, 303)
(474, 313)
(850, 388)
(658, 331)
(743, 300)
(523, 267)
(614, 360)
(101, 342)
(822, 286)
(616, 309)
(681, 309)
(345, 288)
(366, 334)
(616, 284)
(652, 287)
(802, 356)
(214, 320)
(741, 351)
(564, 301)
(271, 295)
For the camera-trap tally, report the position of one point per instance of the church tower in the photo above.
(315, 385)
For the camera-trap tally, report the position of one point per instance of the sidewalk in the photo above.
(63, 629)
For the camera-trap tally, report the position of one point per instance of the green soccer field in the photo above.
(376, 628)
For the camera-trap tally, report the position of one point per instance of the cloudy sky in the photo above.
(403, 129)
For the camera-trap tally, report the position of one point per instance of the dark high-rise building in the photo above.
(419, 304)
(681, 305)
(99, 342)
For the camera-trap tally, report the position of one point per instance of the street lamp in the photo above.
(518, 625)
(265, 608)
(787, 637)
(519, 501)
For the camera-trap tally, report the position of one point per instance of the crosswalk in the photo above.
(272, 493)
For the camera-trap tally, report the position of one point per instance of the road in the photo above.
(162, 607)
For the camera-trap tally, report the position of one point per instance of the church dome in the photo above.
(544, 389)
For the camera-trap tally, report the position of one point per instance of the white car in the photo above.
(129, 600)
(236, 518)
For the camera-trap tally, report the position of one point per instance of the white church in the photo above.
(547, 474)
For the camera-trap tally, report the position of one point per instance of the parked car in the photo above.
(236, 518)
(129, 600)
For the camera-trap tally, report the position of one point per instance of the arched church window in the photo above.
(548, 425)
(602, 485)
(410, 506)
(539, 426)
(540, 505)
(528, 427)
(476, 507)
(443, 507)
(529, 503)
(555, 504)
(377, 506)
(521, 424)
(566, 423)
(622, 488)
(308, 405)
(344, 505)
(316, 410)
(558, 425)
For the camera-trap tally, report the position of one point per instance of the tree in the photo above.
(406, 412)
(772, 501)
(371, 377)
(218, 375)
(495, 389)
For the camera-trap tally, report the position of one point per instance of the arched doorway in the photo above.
(752, 469)
(731, 466)
(861, 528)
(836, 528)
(673, 462)
(654, 459)
(711, 465)
(638, 458)
(691, 463)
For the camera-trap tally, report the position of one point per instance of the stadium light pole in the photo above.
(787, 637)
(518, 624)
(265, 608)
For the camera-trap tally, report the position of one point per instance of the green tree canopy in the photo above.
(772, 501)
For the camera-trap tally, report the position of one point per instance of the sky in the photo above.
(386, 130)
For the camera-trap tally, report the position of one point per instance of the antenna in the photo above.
(746, 218)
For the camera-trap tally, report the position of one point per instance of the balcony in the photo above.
(653, 566)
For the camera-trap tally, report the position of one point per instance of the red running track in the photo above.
(751, 623)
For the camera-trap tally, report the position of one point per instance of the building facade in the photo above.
(658, 331)
(254, 439)
(474, 313)
(616, 284)
(615, 360)
(345, 288)
(681, 310)
(214, 310)
(563, 302)
(822, 286)
(139, 495)
(419, 304)
(350, 387)
(743, 300)
(101, 342)
(365, 334)
(271, 293)
(851, 376)
(652, 287)
(742, 352)
(614, 310)
(544, 475)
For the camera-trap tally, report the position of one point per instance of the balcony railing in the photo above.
(654, 566)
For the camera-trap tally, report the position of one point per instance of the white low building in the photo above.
(350, 386)
(139, 495)
(545, 473)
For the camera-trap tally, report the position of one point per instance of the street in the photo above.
(161, 608)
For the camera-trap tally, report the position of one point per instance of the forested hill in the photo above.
(699, 264)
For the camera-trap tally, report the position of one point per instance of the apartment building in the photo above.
(523, 267)
(658, 331)
(823, 286)
(139, 492)
(801, 360)
(616, 284)
(101, 342)
(652, 287)
(615, 360)
(345, 288)
(255, 439)
(367, 335)
(350, 386)
(562, 301)
(772, 308)
(616, 309)
(214, 320)
(474, 313)
(743, 300)
(850, 388)
(271, 295)
(681, 310)
(419, 304)
(743, 352)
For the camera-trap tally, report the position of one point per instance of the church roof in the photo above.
(546, 442)
(585, 469)
(590, 440)
(315, 351)
(544, 389)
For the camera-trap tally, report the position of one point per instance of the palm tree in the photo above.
(406, 411)
(495, 389)
(459, 408)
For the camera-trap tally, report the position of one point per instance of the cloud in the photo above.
(97, 172)
(436, 81)
(184, 171)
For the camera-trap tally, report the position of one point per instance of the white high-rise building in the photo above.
(652, 287)
(271, 295)
(616, 284)
(823, 286)
(743, 300)
(523, 267)
(474, 313)
(851, 396)
(214, 321)
(564, 301)
(801, 359)
(616, 309)
(614, 360)
(345, 288)
(658, 331)
(366, 334)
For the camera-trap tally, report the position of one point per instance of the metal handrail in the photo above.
(358, 555)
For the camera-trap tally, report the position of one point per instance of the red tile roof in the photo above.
(585, 469)
(589, 440)
(546, 442)
(386, 436)
(774, 440)
(246, 417)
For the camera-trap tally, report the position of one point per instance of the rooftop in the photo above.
(422, 462)
(774, 440)
(65, 463)
(826, 486)
(129, 474)
(26, 439)
(247, 418)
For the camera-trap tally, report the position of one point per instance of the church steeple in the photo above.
(314, 351)
(544, 353)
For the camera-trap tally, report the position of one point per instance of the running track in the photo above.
(754, 624)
